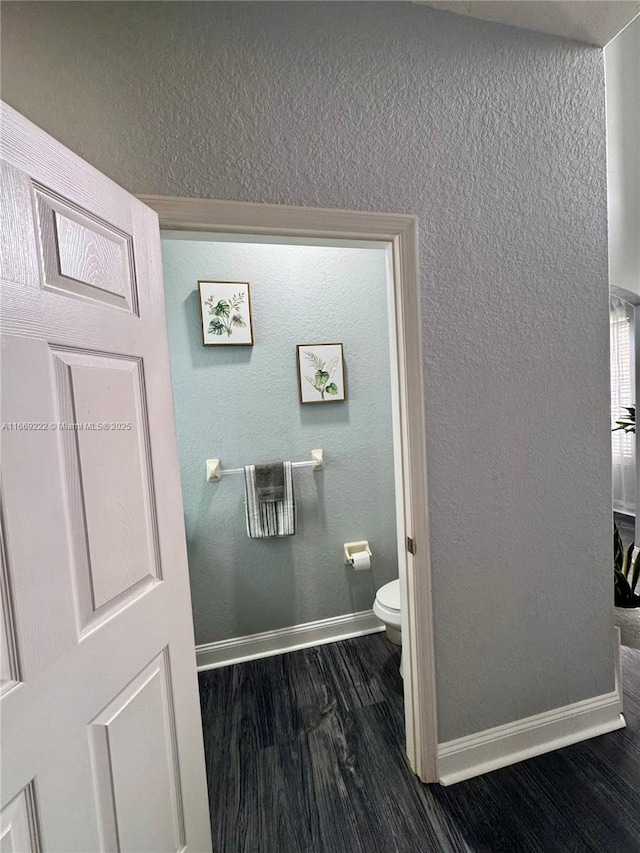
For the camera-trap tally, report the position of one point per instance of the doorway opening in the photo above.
(285, 353)
(394, 238)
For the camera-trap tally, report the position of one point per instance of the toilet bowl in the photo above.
(387, 608)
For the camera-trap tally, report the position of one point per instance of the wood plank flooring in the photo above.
(305, 754)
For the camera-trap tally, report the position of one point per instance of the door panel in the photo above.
(19, 833)
(146, 805)
(34, 513)
(82, 255)
(108, 479)
(101, 737)
(9, 665)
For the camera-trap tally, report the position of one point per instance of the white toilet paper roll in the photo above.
(360, 560)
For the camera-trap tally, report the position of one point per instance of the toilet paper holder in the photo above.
(353, 548)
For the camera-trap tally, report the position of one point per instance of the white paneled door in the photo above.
(101, 732)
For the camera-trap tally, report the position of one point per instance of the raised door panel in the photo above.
(137, 779)
(18, 824)
(108, 479)
(9, 667)
(35, 521)
(82, 255)
(6, 674)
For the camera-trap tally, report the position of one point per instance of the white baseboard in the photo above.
(498, 747)
(226, 652)
(618, 662)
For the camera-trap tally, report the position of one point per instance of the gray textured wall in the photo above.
(241, 404)
(495, 138)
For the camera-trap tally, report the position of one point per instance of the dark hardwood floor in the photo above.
(305, 752)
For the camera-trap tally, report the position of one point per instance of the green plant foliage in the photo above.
(225, 315)
(315, 360)
(323, 374)
(221, 309)
(628, 421)
(626, 572)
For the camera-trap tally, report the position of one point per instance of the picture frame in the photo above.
(225, 313)
(321, 375)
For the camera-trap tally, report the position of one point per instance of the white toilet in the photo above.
(387, 608)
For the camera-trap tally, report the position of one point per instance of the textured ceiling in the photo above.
(592, 21)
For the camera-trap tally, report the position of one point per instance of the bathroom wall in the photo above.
(240, 404)
(495, 139)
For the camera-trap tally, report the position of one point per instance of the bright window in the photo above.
(622, 394)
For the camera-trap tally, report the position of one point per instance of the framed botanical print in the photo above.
(321, 373)
(225, 310)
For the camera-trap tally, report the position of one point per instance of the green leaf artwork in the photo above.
(324, 373)
(225, 314)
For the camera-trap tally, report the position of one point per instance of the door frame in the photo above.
(400, 232)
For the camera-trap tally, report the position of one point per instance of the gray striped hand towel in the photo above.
(269, 518)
